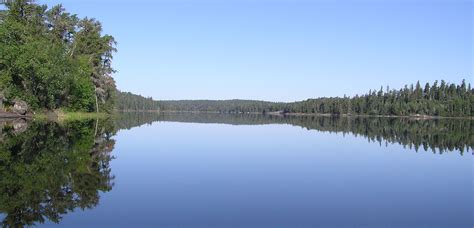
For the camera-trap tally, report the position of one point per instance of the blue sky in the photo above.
(282, 50)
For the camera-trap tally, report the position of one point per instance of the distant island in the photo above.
(54, 61)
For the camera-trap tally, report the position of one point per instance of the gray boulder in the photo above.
(19, 126)
(20, 107)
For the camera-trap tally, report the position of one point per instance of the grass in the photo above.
(61, 115)
(81, 115)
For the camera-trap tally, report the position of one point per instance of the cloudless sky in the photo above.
(282, 50)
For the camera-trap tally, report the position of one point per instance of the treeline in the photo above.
(444, 99)
(221, 106)
(52, 59)
(438, 99)
(127, 101)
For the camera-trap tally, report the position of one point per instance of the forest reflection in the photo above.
(48, 169)
(435, 135)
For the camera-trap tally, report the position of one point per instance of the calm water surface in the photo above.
(211, 170)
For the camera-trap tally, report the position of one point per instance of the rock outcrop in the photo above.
(19, 126)
(20, 107)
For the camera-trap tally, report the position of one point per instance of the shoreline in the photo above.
(322, 114)
(61, 115)
(54, 115)
(11, 115)
(421, 117)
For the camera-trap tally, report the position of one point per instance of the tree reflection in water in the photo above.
(49, 169)
(435, 135)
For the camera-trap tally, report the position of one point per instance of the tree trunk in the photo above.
(96, 126)
(96, 104)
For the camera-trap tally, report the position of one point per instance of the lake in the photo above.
(221, 170)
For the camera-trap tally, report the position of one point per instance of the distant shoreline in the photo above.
(305, 114)
(82, 115)
(378, 116)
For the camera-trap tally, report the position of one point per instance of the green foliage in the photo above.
(224, 106)
(52, 59)
(449, 100)
(127, 101)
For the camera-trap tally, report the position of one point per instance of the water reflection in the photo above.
(435, 135)
(48, 169)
